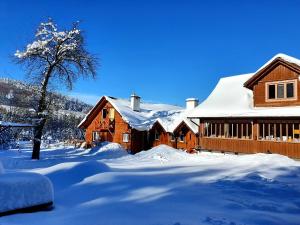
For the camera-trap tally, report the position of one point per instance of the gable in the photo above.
(96, 111)
(183, 126)
(276, 70)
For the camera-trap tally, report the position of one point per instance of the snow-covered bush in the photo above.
(23, 190)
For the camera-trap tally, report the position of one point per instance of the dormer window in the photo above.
(281, 90)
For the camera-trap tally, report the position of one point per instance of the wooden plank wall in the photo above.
(251, 146)
(279, 73)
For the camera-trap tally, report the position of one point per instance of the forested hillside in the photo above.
(18, 102)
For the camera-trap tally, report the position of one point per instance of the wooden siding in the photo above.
(279, 73)
(238, 145)
(163, 139)
(190, 139)
(251, 146)
(115, 134)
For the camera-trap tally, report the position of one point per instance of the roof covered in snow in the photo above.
(278, 58)
(231, 99)
(167, 115)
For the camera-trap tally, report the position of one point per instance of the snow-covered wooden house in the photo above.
(133, 124)
(257, 112)
(177, 130)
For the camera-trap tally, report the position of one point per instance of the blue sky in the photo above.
(164, 50)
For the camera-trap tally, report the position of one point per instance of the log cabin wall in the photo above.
(158, 136)
(257, 142)
(109, 130)
(139, 141)
(280, 72)
(189, 140)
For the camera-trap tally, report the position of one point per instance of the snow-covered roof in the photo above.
(231, 99)
(167, 115)
(11, 124)
(172, 122)
(282, 56)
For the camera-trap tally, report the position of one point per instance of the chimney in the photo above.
(135, 102)
(191, 103)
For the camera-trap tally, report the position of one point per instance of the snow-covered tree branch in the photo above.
(55, 54)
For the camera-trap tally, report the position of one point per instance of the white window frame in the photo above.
(125, 137)
(285, 98)
(95, 136)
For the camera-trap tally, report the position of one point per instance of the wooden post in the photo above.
(293, 132)
(258, 134)
(281, 131)
(242, 129)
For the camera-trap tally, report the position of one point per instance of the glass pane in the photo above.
(290, 90)
(272, 91)
(280, 91)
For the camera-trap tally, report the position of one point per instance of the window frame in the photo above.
(102, 113)
(183, 139)
(94, 136)
(172, 137)
(284, 83)
(127, 139)
(156, 135)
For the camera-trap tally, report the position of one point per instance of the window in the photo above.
(271, 91)
(229, 130)
(111, 114)
(172, 137)
(286, 132)
(125, 137)
(157, 135)
(181, 137)
(104, 113)
(283, 90)
(280, 91)
(95, 136)
(290, 90)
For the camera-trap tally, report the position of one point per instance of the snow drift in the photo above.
(23, 190)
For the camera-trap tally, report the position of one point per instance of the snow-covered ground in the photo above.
(162, 186)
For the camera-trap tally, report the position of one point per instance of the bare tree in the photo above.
(54, 56)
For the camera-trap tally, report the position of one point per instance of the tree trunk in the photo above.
(38, 131)
(42, 106)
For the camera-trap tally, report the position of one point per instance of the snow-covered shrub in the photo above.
(23, 190)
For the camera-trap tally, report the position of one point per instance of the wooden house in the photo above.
(127, 122)
(251, 113)
(176, 130)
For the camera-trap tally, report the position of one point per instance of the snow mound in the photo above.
(163, 153)
(71, 173)
(108, 150)
(1, 168)
(23, 190)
